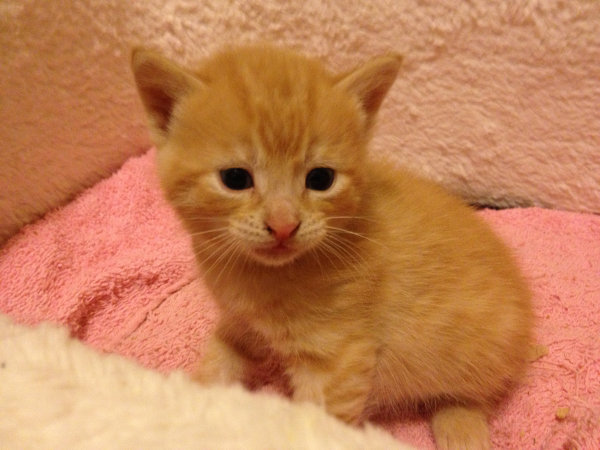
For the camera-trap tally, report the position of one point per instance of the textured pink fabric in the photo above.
(116, 268)
(498, 100)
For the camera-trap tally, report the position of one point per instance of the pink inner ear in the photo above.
(282, 219)
(371, 82)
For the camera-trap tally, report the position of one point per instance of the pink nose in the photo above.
(282, 230)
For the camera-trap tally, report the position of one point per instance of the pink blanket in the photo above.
(115, 267)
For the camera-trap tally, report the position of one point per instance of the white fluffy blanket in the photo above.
(57, 393)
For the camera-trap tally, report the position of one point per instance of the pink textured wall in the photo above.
(500, 101)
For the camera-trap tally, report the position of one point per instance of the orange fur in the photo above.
(380, 290)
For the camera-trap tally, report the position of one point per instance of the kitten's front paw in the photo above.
(345, 399)
(461, 428)
(309, 392)
(349, 412)
(220, 365)
(210, 373)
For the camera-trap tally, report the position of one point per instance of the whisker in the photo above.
(346, 250)
(345, 247)
(324, 247)
(335, 251)
(237, 257)
(353, 233)
(352, 217)
(223, 254)
(214, 240)
(212, 230)
(231, 252)
(197, 218)
(314, 251)
(211, 247)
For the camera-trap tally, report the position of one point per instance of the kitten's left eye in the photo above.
(320, 179)
(236, 179)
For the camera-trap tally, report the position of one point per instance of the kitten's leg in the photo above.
(461, 428)
(230, 349)
(342, 385)
(221, 364)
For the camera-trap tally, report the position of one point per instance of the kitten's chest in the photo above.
(282, 337)
(283, 327)
(281, 316)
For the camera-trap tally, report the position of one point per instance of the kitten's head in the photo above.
(261, 151)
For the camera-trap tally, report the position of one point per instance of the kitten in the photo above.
(375, 287)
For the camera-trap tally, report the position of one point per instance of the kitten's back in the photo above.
(452, 284)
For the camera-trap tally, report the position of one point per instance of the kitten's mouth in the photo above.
(277, 254)
(279, 248)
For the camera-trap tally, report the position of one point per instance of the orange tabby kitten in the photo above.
(376, 288)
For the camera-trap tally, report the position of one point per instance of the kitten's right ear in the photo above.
(370, 82)
(161, 84)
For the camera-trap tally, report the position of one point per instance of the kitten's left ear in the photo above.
(370, 83)
(161, 84)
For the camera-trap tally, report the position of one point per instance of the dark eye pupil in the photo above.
(236, 179)
(320, 179)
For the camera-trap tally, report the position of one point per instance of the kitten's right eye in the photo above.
(320, 179)
(236, 179)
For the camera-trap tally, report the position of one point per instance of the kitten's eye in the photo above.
(236, 179)
(320, 179)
